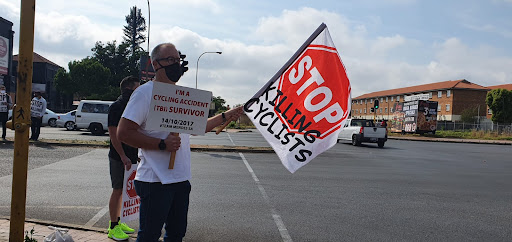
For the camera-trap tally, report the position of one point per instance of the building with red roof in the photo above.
(453, 97)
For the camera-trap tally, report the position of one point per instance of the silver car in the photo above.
(67, 120)
(49, 118)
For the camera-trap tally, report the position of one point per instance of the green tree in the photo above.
(116, 58)
(134, 33)
(64, 83)
(500, 103)
(219, 105)
(87, 78)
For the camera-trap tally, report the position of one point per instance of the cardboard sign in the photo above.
(178, 109)
(131, 202)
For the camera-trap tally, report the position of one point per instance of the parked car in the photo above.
(49, 118)
(361, 130)
(93, 115)
(67, 120)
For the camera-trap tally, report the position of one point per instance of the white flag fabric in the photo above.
(302, 109)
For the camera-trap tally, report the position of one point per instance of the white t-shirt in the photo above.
(38, 107)
(154, 164)
(5, 102)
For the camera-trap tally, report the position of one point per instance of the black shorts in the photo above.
(116, 173)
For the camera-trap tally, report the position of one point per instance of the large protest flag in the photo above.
(301, 110)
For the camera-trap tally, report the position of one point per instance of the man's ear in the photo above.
(155, 65)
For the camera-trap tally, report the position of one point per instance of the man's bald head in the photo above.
(164, 50)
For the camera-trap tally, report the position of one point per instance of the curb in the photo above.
(60, 224)
(197, 148)
(469, 141)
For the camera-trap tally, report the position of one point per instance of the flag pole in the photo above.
(292, 59)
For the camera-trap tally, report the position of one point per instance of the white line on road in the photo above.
(97, 217)
(277, 218)
(229, 136)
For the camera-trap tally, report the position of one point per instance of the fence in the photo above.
(485, 126)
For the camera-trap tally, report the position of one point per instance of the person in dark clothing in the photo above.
(121, 156)
(5, 105)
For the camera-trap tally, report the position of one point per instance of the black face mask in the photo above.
(173, 72)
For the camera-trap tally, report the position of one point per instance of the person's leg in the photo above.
(3, 119)
(38, 128)
(33, 122)
(115, 230)
(4, 128)
(116, 177)
(155, 203)
(176, 223)
(114, 204)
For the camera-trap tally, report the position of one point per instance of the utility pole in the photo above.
(21, 119)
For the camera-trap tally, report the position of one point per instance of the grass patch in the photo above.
(234, 125)
(468, 134)
(76, 142)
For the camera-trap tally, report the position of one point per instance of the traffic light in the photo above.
(372, 110)
(376, 104)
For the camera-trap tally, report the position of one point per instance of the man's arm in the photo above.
(112, 132)
(217, 120)
(44, 108)
(9, 100)
(128, 133)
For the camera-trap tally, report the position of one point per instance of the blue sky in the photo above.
(383, 44)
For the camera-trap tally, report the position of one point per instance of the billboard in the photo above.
(417, 116)
(4, 55)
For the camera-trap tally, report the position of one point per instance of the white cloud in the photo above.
(56, 28)
(208, 5)
(488, 28)
(385, 44)
(9, 9)
(373, 63)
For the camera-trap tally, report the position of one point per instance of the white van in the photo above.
(93, 115)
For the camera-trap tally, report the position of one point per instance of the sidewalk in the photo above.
(41, 230)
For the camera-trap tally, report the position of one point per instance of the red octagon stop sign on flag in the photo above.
(130, 186)
(316, 87)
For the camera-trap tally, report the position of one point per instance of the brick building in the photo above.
(505, 86)
(452, 96)
(43, 75)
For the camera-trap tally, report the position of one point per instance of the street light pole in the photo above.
(197, 64)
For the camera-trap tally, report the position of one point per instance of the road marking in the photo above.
(59, 207)
(97, 217)
(277, 218)
(229, 136)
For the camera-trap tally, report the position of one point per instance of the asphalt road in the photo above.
(408, 191)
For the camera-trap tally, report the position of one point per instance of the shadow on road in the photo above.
(232, 157)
